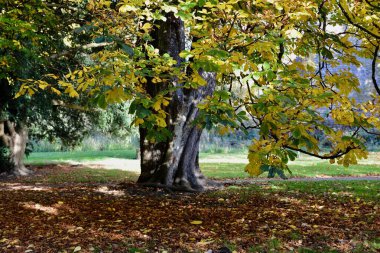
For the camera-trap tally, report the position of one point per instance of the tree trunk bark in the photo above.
(15, 139)
(174, 163)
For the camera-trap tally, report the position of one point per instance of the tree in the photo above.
(266, 65)
(32, 35)
(36, 39)
(19, 53)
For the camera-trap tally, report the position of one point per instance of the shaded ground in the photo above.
(121, 217)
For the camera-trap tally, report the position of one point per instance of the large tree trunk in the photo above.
(15, 139)
(174, 163)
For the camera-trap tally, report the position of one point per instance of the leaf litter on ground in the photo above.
(124, 217)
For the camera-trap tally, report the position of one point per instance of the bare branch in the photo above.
(71, 106)
(96, 45)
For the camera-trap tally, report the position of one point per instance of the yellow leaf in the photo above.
(20, 93)
(73, 93)
(160, 122)
(138, 122)
(165, 102)
(224, 130)
(253, 168)
(146, 27)
(55, 91)
(198, 79)
(157, 105)
(196, 222)
(127, 8)
(42, 85)
(30, 92)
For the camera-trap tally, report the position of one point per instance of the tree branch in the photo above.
(11, 128)
(96, 45)
(74, 50)
(355, 24)
(372, 5)
(369, 132)
(72, 106)
(324, 157)
(4, 137)
(374, 69)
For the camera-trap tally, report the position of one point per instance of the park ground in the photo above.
(84, 202)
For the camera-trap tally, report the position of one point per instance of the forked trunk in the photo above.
(174, 163)
(15, 139)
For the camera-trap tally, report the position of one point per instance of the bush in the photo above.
(5, 163)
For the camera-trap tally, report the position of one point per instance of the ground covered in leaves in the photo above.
(123, 217)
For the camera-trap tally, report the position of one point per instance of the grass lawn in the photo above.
(236, 170)
(53, 175)
(367, 190)
(218, 165)
(49, 157)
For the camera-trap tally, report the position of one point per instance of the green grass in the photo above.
(303, 167)
(48, 157)
(366, 189)
(236, 170)
(83, 175)
(369, 190)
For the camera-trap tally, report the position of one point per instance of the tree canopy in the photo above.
(33, 47)
(276, 67)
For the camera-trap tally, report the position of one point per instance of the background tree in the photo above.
(34, 43)
(264, 65)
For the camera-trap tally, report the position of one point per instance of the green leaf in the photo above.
(296, 132)
(201, 3)
(218, 53)
(327, 53)
(266, 66)
(127, 49)
(264, 129)
(292, 155)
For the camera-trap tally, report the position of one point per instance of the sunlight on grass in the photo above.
(84, 175)
(44, 157)
(224, 165)
(236, 170)
(366, 190)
